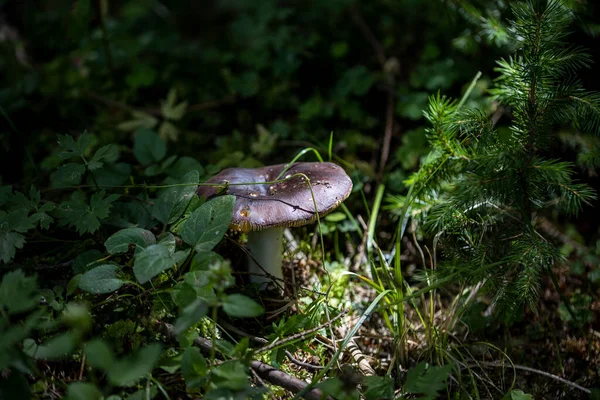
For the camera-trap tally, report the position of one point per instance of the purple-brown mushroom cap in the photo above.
(287, 203)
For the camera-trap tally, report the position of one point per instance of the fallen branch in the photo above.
(265, 371)
(536, 371)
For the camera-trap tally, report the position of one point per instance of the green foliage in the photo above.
(482, 191)
(426, 380)
(132, 265)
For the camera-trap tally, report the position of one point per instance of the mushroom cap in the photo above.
(287, 203)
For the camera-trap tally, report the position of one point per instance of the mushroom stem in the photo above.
(266, 247)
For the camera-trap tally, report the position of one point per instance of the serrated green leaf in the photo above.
(101, 279)
(129, 370)
(238, 305)
(99, 355)
(17, 220)
(193, 367)
(83, 391)
(9, 243)
(190, 315)
(207, 225)
(76, 213)
(74, 147)
(68, 175)
(426, 380)
(41, 218)
(155, 259)
(173, 201)
(119, 242)
(148, 147)
(5, 194)
(378, 387)
(108, 153)
(17, 292)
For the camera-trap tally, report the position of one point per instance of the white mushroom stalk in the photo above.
(266, 248)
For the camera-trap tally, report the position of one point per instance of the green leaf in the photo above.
(378, 387)
(99, 355)
(113, 174)
(86, 260)
(238, 305)
(143, 75)
(74, 148)
(119, 242)
(86, 219)
(170, 110)
(518, 395)
(68, 175)
(108, 153)
(141, 120)
(17, 220)
(183, 294)
(182, 166)
(9, 243)
(190, 315)
(207, 225)
(102, 279)
(426, 380)
(148, 147)
(58, 347)
(18, 292)
(168, 131)
(193, 367)
(230, 375)
(155, 259)
(83, 391)
(172, 201)
(129, 370)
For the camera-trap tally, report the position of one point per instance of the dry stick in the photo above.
(301, 335)
(265, 371)
(206, 105)
(368, 34)
(261, 340)
(536, 371)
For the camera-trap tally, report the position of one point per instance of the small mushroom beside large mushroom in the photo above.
(262, 210)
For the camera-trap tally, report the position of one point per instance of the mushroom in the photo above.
(263, 210)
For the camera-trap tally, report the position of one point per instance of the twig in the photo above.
(301, 335)
(368, 34)
(261, 340)
(536, 371)
(265, 371)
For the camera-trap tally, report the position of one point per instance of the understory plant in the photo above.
(485, 186)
